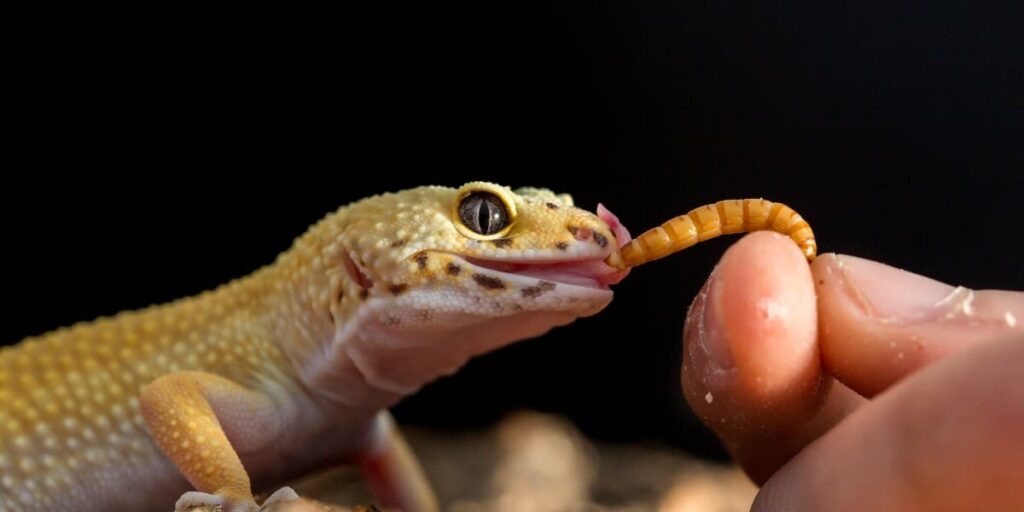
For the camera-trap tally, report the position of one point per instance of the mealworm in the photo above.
(709, 221)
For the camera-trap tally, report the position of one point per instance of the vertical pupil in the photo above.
(483, 213)
(484, 217)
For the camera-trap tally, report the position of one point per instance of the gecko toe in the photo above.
(194, 501)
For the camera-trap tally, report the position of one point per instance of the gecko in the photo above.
(244, 388)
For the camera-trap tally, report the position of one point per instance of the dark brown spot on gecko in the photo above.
(530, 291)
(562, 246)
(453, 269)
(602, 241)
(398, 243)
(502, 242)
(421, 260)
(364, 293)
(391, 320)
(491, 283)
(398, 289)
(553, 206)
(536, 291)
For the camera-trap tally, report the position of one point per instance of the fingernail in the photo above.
(712, 336)
(890, 293)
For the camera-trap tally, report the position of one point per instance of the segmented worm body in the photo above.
(709, 221)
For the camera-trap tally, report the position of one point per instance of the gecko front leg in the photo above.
(201, 422)
(392, 470)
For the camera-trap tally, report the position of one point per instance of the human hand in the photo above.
(851, 385)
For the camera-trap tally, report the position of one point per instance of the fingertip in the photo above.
(766, 304)
(750, 336)
(769, 397)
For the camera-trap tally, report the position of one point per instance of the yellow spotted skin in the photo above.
(709, 221)
(276, 374)
(70, 400)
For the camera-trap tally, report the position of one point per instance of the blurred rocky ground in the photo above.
(538, 463)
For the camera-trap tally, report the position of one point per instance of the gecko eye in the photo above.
(484, 213)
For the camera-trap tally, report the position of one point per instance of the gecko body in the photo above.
(289, 369)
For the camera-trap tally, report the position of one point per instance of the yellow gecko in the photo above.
(293, 368)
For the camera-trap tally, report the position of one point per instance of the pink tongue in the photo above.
(583, 273)
(621, 234)
(620, 231)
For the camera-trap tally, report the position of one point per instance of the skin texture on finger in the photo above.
(946, 438)
(879, 324)
(751, 366)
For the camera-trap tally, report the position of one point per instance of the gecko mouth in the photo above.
(588, 273)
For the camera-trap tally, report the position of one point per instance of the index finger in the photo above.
(878, 323)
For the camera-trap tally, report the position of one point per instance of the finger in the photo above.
(946, 438)
(879, 323)
(751, 368)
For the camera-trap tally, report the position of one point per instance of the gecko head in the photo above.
(460, 271)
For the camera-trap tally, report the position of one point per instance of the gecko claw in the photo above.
(284, 494)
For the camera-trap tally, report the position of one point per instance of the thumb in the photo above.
(878, 324)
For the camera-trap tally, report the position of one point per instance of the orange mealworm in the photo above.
(709, 221)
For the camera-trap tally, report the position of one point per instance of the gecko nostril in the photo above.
(579, 233)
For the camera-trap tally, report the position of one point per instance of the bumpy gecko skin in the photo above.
(274, 375)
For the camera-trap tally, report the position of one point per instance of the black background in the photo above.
(151, 155)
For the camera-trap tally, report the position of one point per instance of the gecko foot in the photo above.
(281, 495)
(192, 500)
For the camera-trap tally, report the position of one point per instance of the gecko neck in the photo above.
(304, 310)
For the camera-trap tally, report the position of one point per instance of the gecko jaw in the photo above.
(585, 273)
